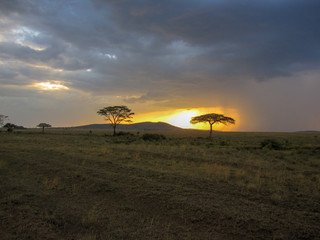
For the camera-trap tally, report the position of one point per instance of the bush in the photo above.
(153, 137)
(271, 144)
(224, 143)
(121, 133)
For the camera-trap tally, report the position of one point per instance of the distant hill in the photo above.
(309, 131)
(149, 126)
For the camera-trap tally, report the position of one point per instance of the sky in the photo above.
(254, 60)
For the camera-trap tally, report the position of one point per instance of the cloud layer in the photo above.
(260, 57)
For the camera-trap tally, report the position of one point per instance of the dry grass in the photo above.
(76, 185)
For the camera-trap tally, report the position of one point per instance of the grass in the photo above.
(78, 185)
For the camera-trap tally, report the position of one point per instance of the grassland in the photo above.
(78, 185)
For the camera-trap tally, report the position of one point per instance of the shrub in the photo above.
(153, 137)
(224, 143)
(121, 133)
(271, 144)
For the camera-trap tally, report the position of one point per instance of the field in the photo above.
(85, 185)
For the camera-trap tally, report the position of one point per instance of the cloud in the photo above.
(168, 54)
(252, 38)
(263, 39)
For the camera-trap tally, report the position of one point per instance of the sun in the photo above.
(182, 119)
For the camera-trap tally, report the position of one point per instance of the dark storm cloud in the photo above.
(16, 6)
(256, 39)
(263, 38)
(149, 51)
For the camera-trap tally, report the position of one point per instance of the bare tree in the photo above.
(212, 118)
(2, 118)
(43, 125)
(116, 114)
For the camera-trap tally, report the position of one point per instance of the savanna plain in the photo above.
(76, 184)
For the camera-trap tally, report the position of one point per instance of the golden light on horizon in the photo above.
(181, 117)
(49, 86)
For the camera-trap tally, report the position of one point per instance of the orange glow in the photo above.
(181, 117)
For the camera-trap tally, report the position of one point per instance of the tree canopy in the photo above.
(11, 126)
(212, 118)
(43, 126)
(116, 114)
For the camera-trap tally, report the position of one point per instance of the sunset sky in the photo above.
(256, 61)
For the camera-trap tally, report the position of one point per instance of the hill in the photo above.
(309, 131)
(149, 126)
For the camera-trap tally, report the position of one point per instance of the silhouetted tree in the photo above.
(10, 126)
(212, 118)
(116, 114)
(2, 118)
(43, 125)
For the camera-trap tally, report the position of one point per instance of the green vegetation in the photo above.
(11, 126)
(89, 185)
(271, 144)
(153, 137)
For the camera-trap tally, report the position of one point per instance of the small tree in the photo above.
(115, 115)
(212, 118)
(2, 118)
(10, 127)
(43, 125)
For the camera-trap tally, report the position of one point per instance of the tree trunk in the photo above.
(114, 130)
(42, 130)
(211, 130)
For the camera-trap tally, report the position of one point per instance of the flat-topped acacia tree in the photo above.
(43, 126)
(212, 118)
(115, 115)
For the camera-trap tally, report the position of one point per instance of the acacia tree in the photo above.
(212, 118)
(43, 125)
(116, 114)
